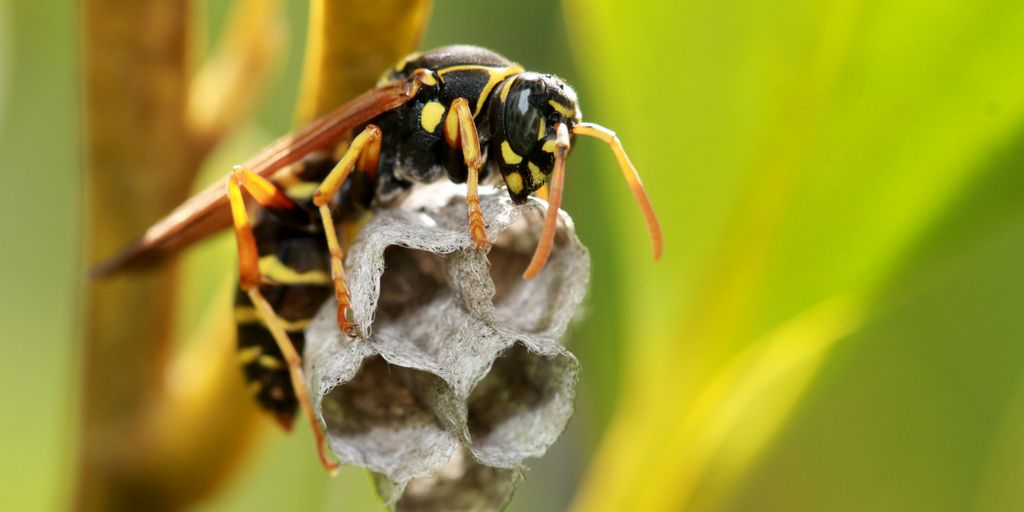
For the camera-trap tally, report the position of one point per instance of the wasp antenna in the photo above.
(632, 179)
(547, 236)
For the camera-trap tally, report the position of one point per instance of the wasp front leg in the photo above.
(270, 196)
(364, 151)
(460, 132)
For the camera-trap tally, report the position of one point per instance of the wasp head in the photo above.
(526, 112)
(534, 118)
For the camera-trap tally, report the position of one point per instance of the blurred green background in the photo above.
(837, 322)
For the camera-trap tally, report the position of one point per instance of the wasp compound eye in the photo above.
(522, 122)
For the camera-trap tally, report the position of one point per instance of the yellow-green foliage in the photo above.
(837, 322)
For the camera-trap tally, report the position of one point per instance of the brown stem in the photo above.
(139, 162)
(143, 441)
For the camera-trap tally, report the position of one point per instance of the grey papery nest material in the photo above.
(458, 374)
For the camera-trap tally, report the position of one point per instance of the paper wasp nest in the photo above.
(458, 374)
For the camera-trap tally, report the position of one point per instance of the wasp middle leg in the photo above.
(364, 151)
(269, 195)
(467, 138)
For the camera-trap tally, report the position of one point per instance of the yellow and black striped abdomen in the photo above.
(296, 265)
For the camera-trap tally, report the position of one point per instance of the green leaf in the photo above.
(796, 152)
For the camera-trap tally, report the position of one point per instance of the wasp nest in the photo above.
(457, 375)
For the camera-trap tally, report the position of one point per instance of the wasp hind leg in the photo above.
(467, 138)
(364, 152)
(268, 195)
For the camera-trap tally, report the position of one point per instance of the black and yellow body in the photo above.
(458, 113)
(295, 266)
(515, 113)
(414, 148)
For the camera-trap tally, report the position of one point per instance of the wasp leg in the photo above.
(268, 195)
(365, 149)
(632, 179)
(469, 140)
(421, 78)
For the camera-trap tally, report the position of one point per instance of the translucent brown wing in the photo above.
(208, 212)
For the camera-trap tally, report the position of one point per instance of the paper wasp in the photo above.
(459, 112)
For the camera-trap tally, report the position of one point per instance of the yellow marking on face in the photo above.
(431, 116)
(301, 190)
(255, 387)
(277, 271)
(549, 146)
(538, 177)
(494, 77)
(562, 109)
(248, 315)
(540, 129)
(269, 361)
(514, 182)
(506, 88)
(249, 354)
(508, 155)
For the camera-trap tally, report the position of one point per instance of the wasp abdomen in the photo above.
(295, 265)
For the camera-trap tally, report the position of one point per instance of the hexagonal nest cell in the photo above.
(457, 374)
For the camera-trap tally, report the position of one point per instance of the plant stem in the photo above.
(154, 430)
(139, 166)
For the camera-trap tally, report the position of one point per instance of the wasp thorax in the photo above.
(524, 113)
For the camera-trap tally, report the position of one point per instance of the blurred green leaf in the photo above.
(928, 394)
(921, 409)
(796, 152)
(39, 150)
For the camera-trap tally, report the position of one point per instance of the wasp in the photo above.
(460, 113)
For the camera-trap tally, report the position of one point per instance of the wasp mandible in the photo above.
(460, 113)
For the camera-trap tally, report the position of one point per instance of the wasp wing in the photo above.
(208, 212)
